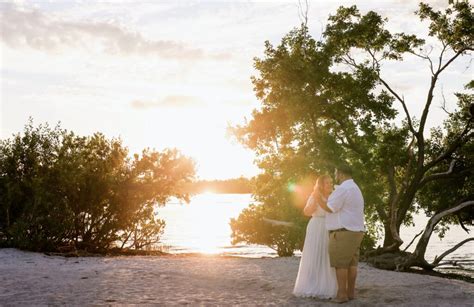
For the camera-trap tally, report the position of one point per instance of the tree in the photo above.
(59, 191)
(349, 32)
(325, 102)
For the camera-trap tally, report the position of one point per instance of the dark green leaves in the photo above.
(58, 189)
(454, 27)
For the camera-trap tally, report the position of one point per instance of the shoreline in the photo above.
(30, 278)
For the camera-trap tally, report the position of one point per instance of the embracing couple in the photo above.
(328, 266)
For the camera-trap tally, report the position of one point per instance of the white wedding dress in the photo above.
(316, 278)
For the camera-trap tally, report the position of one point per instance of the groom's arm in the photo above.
(335, 201)
(323, 204)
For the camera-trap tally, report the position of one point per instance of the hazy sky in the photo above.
(168, 73)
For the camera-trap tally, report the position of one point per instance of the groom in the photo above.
(345, 222)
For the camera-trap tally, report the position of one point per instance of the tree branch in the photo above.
(351, 143)
(441, 55)
(437, 260)
(426, 110)
(433, 221)
(443, 106)
(425, 57)
(458, 142)
(402, 101)
(462, 224)
(434, 79)
(450, 60)
(350, 61)
(439, 175)
(303, 12)
(445, 175)
(375, 62)
(413, 240)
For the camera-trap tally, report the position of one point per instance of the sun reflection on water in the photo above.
(203, 225)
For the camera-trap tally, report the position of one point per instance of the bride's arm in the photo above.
(311, 205)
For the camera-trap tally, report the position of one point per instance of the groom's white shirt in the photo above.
(347, 206)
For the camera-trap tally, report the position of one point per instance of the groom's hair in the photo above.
(346, 169)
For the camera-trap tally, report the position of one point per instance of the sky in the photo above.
(171, 74)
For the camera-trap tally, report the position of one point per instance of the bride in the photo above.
(316, 278)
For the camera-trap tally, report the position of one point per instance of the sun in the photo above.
(208, 192)
(201, 134)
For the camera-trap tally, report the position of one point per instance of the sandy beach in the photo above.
(36, 279)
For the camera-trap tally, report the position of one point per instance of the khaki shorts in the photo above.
(344, 248)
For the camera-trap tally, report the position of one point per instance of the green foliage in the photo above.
(252, 229)
(323, 102)
(438, 195)
(60, 190)
(303, 127)
(455, 26)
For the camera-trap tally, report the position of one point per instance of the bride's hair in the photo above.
(321, 179)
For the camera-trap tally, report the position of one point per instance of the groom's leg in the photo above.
(342, 275)
(351, 280)
(339, 259)
(352, 274)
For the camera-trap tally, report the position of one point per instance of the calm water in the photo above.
(202, 226)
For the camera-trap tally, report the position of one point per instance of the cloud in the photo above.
(31, 28)
(434, 3)
(176, 101)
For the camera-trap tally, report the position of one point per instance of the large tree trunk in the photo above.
(401, 261)
(388, 238)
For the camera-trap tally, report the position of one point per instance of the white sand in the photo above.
(36, 279)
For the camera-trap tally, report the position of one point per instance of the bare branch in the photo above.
(468, 65)
(443, 106)
(375, 62)
(449, 251)
(426, 110)
(450, 61)
(402, 101)
(441, 55)
(350, 61)
(461, 223)
(413, 240)
(424, 57)
(303, 12)
(434, 79)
